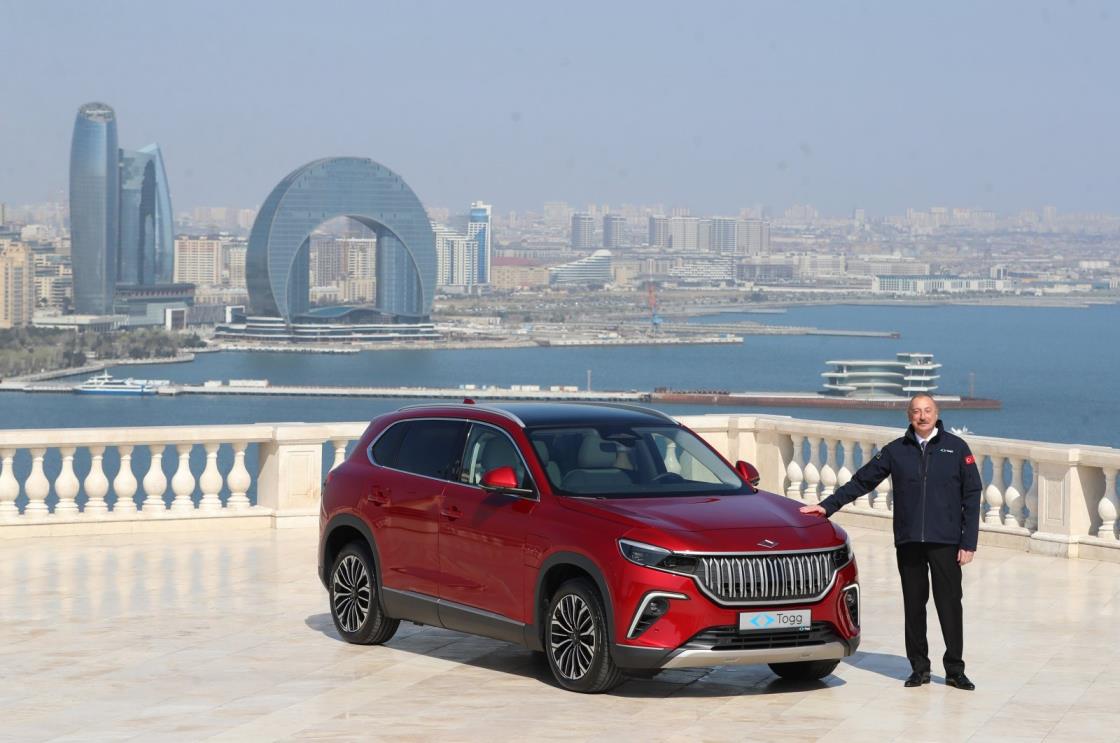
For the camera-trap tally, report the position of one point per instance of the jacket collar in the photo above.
(913, 437)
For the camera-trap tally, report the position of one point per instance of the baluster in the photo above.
(828, 470)
(793, 469)
(866, 447)
(882, 500)
(124, 484)
(844, 474)
(66, 484)
(340, 451)
(9, 485)
(37, 486)
(1013, 496)
(1031, 521)
(1108, 506)
(238, 479)
(812, 474)
(211, 480)
(96, 484)
(182, 482)
(155, 482)
(993, 494)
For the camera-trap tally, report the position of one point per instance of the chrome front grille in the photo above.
(762, 578)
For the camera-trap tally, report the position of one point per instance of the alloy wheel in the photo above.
(352, 593)
(573, 636)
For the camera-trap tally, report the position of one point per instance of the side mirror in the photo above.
(748, 472)
(500, 478)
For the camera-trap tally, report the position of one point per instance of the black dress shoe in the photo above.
(917, 678)
(959, 680)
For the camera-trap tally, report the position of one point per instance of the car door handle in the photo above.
(451, 513)
(378, 497)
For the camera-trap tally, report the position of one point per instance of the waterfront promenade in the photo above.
(205, 636)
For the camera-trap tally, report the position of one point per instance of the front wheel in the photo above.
(576, 640)
(355, 608)
(805, 670)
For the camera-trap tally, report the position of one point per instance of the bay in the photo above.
(1054, 369)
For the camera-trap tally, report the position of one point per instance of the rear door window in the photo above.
(430, 447)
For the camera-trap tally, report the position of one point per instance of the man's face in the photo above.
(923, 416)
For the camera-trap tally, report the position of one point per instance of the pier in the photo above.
(530, 392)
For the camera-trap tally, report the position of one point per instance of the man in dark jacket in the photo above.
(936, 523)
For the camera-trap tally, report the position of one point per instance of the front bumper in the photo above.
(631, 657)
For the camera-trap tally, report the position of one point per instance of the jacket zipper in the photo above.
(925, 471)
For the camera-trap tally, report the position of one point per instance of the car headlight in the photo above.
(843, 556)
(647, 555)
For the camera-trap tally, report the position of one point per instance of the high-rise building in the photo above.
(724, 235)
(614, 231)
(754, 237)
(235, 262)
(147, 248)
(94, 208)
(456, 258)
(583, 231)
(17, 284)
(198, 261)
(658, 231)
(478, 229)
(684, 233)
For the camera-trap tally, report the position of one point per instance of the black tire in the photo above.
(805, 670)
(355, 605)
(576, 640)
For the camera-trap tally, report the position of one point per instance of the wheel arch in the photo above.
(556, 569)
(341, 530)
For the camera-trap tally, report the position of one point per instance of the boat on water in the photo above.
(106, 384)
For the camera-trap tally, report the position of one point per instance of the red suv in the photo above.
(609, 537)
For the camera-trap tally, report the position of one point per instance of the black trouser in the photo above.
(917, 561)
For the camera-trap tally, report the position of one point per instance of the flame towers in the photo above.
(120, 213)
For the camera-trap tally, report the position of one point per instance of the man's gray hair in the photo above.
(921, 395)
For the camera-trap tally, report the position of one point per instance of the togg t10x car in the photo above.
(609, 537)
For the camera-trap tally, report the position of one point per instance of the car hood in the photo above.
(719, 522)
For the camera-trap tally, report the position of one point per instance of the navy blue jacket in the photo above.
(936, 495)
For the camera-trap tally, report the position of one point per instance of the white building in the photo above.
(198, 260)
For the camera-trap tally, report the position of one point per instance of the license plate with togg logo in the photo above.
(750, 621)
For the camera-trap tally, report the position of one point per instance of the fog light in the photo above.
(653, 607)
(851, 603)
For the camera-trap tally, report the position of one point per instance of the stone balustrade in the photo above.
(1050, 498)
(162, 476)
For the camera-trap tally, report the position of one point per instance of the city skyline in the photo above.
(997, 107)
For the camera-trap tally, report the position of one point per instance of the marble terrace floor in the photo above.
(193, 637)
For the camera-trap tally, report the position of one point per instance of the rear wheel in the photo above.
(805, 670)
(576, 639)
(355, 607)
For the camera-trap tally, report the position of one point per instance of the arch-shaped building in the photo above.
(277, 265)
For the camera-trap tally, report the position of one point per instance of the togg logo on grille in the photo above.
(768, 544)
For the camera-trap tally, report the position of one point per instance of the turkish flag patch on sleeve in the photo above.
(970, 459)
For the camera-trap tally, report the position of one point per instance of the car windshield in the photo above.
(615, 461)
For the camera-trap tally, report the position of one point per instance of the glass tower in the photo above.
(94, 208)
(147, 247)
(478, 229)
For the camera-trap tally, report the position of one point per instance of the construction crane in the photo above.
(651, 302)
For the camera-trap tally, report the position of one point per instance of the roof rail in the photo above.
(470, 406)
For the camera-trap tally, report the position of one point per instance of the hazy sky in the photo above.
(710, 105)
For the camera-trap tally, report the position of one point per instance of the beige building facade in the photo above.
(17, 284)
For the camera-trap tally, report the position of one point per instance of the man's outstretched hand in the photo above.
(814, 509)
(963, 556)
